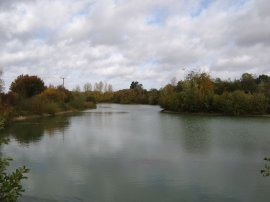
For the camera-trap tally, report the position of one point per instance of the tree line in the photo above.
(197, 93)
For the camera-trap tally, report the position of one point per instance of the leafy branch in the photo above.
(266, 171)
(10, 183)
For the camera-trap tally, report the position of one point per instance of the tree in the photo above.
(77, 88)
(105, 89)
(99, 86)
(153, 96)
(198, 91)
(135, 85)
(167, 98)
(110, 88)
(125, 96)
(2, 122)
(87, 87)
(27, 86)
(263, 78)
(1, 86)
(248, 83)
(1, 82)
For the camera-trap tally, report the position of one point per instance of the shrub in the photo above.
(258, 103)
(2, 122)
(54, 95)
(10, 183)
(51, 108)
(78, 101)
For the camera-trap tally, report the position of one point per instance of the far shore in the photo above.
(27, 117)
(212, 114)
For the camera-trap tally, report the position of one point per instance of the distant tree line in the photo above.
(197, 93)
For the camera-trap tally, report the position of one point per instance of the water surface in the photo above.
(134, 153)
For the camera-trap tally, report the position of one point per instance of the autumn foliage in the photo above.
(29, 96)
(27, 86)
(200, 93)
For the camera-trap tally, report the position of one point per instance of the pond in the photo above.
(135, 153)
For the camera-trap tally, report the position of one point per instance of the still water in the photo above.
(134, 153)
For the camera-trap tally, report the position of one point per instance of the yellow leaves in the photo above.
(53, 94)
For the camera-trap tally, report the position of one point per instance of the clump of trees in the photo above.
(98, 92)
(28, 95)
(136, 94)
(200, 93)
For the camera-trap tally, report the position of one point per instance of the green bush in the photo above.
(259, 104)
(51, 108)
(78, 101)
(2, 122)
(10, 183)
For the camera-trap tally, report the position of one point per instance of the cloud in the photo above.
(120, 41)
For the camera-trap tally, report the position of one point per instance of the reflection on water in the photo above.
(106, 113)
(29, 131)
(196, 134)
(135, 153)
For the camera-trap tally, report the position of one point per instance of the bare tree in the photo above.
(105, 89)
(99, 86)
(110, 88)
(1, 82)
(87, 87)
(77, 89)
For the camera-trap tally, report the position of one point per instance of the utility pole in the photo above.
(63, 82)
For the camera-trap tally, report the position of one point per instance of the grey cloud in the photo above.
(111, 40)
(251, 28)
(7, 4)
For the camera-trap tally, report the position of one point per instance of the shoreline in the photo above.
(212, 114)
(28, 117)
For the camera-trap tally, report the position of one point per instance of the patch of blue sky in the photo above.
(85, 11)
(239, 4)
(231, 45)
(158, 16)
(203, 5)
(148, 63)
(115, 2)
(43, 34)
(229, 4)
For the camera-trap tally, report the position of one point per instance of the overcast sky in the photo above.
(119, 41)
